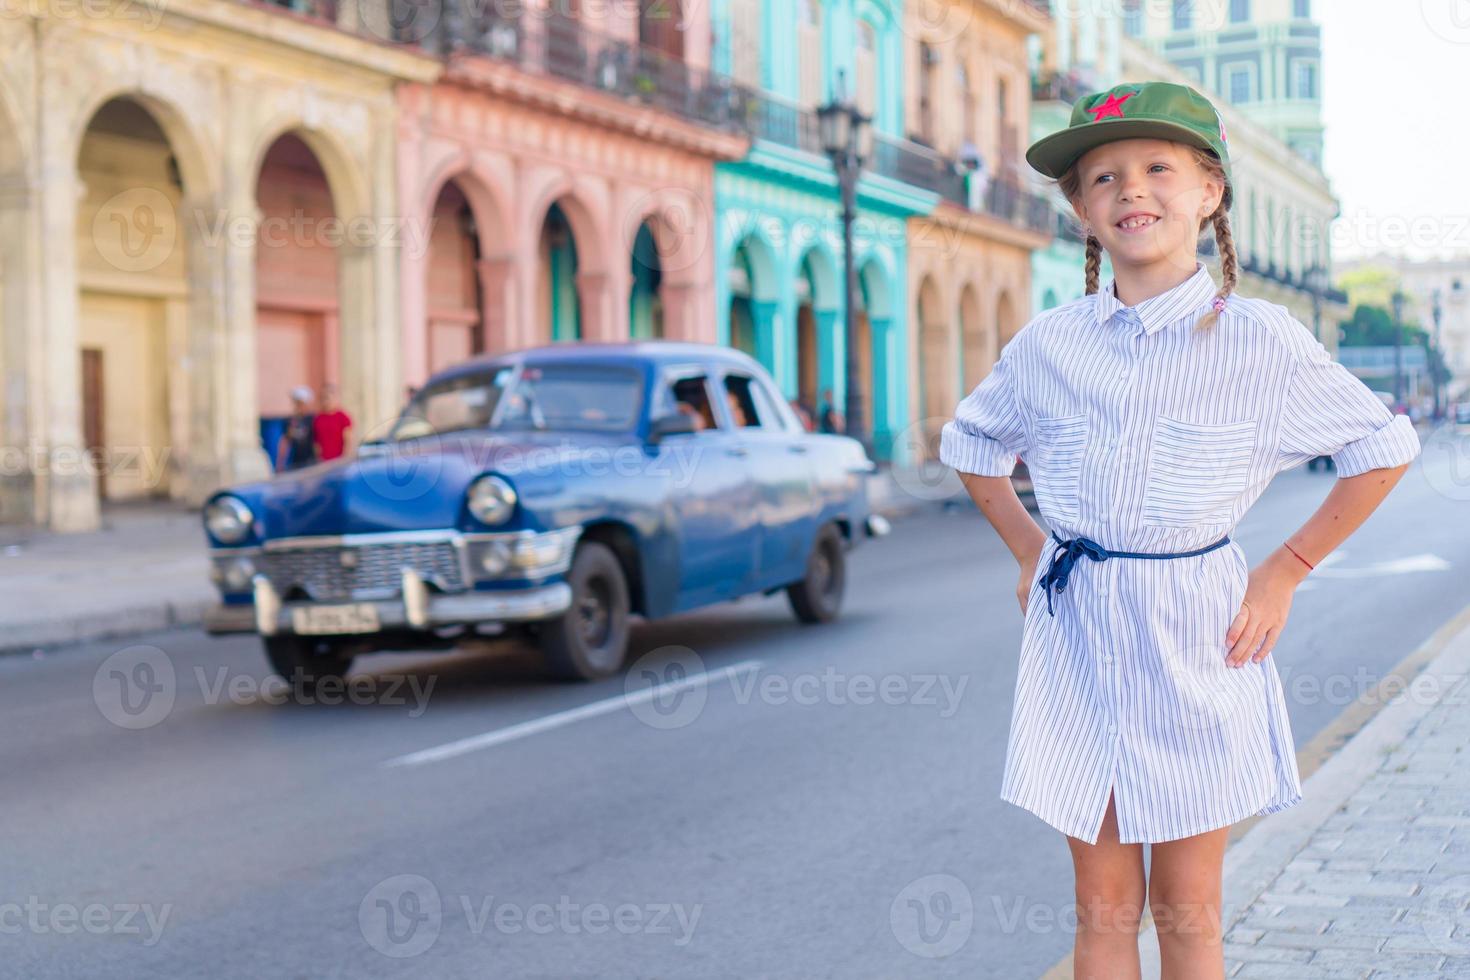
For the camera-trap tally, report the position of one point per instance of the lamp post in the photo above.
(847, 140)
(1398, 347)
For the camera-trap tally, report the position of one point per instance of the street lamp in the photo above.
(847, 140)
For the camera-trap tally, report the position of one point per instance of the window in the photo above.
(967, 103)
(1301, 9)
(809, 52)
(750, 404)
(690, 396)
(1240, 11)
(1238, 84)
(928, 59)
(1183, 14)
(745, 42)
(1133, 18)
(541, 397)
(1304, 80)
(867, 67)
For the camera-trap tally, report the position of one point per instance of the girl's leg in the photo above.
(1184, 894)
(1110, 896)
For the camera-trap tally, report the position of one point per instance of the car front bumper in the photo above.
(417, 608)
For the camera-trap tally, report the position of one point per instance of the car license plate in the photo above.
(358, 618)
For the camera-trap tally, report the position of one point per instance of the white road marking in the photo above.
(1394, 566)
(537, 725)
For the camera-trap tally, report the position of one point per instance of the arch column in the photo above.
(22, 493)
(68, 484)
(498, 303)
(235, 402)
(599, 305)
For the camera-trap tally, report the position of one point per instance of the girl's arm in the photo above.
(1273, 582)
(997, 500)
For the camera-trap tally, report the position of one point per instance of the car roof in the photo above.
(628, 352)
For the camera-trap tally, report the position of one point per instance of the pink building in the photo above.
(557, 182)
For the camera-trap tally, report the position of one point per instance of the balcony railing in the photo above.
(559, 46)
(919, 166)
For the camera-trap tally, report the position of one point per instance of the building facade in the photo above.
(172, 226)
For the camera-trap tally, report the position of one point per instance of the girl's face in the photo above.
(1144, 200)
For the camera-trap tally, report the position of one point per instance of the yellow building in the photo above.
(136, 247)
(969, 262)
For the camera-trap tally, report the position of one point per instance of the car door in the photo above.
(711, 491)
(776, 457)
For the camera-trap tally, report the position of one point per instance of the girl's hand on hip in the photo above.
(1268, 594)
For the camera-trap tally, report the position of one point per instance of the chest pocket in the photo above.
(1056, 465)
(1196, 470)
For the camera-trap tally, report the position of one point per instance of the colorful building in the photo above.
(181, 240)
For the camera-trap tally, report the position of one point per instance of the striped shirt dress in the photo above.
(1145, 436)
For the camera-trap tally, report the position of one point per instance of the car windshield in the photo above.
(538, 397)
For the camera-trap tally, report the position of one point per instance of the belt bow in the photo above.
(1064, 558)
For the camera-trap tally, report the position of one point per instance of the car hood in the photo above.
(420, 484)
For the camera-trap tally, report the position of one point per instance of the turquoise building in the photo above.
(778, 261)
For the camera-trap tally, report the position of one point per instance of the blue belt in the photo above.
(1066, 556)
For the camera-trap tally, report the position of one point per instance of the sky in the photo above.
(1396, 106)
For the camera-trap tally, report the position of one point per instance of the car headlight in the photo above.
(228, 520)
(491, 500)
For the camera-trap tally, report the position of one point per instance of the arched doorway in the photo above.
(645, 304)
(1006, 320)
(972, 339)
(133, 316)
(297, 296)
(874, 328)
(936, 367)
(559, 308)
(752, 284)
(816, 324)
(453, 302)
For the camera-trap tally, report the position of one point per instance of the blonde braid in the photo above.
(1094, 263)
(1229, 266)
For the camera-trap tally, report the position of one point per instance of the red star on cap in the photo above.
(1112, 107)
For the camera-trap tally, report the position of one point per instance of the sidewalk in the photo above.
(1369, 876)
(144, 570)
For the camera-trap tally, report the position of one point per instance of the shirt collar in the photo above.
(1159, 311)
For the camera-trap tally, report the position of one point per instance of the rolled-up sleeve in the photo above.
(1331, 412)
(987, 432)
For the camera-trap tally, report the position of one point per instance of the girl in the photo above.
(1152, 414)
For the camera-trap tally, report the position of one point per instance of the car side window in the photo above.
(751, 404)
(743, 412)
(690, 395)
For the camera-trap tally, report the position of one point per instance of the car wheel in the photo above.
(590, 640)
(818, 597)
(305, 661)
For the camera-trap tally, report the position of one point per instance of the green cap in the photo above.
(1134, 110)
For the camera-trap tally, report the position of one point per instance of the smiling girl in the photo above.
(1152, 413)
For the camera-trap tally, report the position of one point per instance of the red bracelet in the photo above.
(1293, 551)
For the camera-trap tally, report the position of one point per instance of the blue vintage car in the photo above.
(562, 490)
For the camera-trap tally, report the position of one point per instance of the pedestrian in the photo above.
(297, 447)
(331, 425)
(1151, 414)
(803, 414)
(829, 419)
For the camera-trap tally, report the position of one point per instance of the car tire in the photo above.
(817, 598)
(305, 661)
(590, 640)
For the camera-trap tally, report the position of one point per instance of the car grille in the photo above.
(369, 571)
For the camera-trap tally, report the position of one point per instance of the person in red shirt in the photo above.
(331, 425)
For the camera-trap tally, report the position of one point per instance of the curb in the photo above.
(114, 624)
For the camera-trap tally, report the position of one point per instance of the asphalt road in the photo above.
(809, 802)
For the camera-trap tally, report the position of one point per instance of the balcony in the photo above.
(559, 46)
